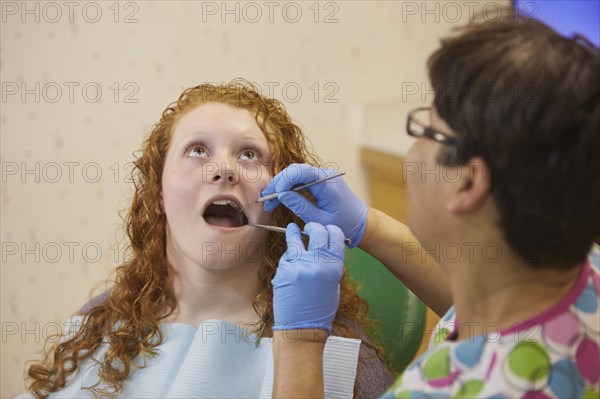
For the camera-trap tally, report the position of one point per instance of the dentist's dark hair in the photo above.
(527, 100)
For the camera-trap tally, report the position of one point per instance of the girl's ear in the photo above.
(474, 187)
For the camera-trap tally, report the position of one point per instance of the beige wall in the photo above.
(66, 146)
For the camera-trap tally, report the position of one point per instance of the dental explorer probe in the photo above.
(277, 229)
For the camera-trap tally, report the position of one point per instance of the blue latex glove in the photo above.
(336, 203)
(306, 287)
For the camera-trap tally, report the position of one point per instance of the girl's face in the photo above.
(216, 163)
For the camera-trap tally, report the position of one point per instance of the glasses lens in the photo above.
(423, 117)
(418, 123)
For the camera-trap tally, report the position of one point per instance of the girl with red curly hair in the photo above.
(192, 256)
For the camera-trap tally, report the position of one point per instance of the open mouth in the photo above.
(225, 213)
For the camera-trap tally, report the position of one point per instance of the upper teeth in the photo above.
(227, 202)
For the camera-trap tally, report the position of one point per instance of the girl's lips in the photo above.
(224, 211)
(226, 229)
(221, 197)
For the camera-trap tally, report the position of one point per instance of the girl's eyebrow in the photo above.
(192, 132)
(257, 139)
(247, 136)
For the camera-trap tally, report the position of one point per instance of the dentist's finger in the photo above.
(319, 237)
(300, 205)
(336, 240)
(293, 236)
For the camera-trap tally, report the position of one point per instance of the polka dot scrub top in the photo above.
(552, 355)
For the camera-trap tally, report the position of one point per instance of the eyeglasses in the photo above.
(416, 128)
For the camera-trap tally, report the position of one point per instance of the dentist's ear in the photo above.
(474, 187)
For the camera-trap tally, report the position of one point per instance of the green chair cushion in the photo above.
(397, 312)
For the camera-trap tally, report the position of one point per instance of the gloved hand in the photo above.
(306, 287)
(336, 203)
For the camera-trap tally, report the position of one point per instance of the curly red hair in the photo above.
(142, 293)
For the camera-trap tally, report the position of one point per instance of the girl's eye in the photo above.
(196, 151)
(250, 155)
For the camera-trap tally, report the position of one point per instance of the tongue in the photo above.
(224, 221)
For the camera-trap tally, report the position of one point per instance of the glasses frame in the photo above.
(426, 131)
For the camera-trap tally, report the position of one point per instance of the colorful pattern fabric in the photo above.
(553, 355)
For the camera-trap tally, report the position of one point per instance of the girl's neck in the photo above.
(220, 292)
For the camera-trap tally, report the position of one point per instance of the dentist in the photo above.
(523, 211)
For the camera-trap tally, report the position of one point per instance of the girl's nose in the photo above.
(225, 171)
(230, 176)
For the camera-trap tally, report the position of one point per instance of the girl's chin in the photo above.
(227, 229)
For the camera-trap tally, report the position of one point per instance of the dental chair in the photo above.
(398, 314)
